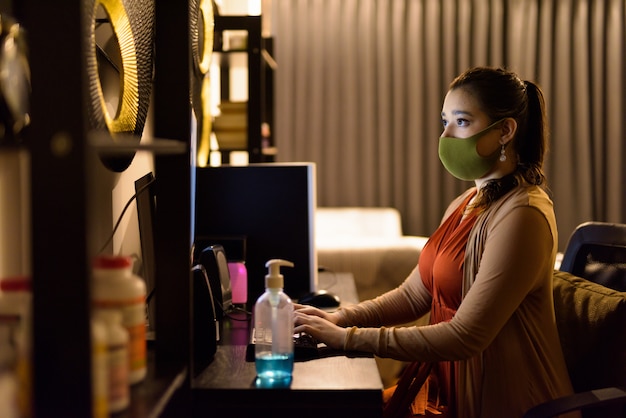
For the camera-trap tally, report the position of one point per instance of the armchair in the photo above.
(591, 318)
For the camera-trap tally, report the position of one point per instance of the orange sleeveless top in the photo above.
(441, 270)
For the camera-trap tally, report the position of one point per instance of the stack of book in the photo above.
(231, 126)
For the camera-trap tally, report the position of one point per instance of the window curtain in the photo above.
(360, 84)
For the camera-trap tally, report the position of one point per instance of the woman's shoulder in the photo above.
(529, 195)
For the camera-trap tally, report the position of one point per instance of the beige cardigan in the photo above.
(504, 335)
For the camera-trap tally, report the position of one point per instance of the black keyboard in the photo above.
(305, 347)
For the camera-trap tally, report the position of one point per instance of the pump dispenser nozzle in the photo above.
(273, 279)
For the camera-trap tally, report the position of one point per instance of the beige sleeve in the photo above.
(518, 252)
(407, 302)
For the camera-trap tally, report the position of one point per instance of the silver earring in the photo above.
(502, 154)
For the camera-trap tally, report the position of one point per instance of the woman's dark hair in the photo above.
(501, 94)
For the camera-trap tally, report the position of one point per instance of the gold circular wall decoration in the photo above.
(206, 9)
(202, 22)
(202, 27)
(126, 118)
(128, 27)
(204, 139)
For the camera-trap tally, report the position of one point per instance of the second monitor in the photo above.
(271, 206)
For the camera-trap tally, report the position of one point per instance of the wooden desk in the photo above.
(340, 385)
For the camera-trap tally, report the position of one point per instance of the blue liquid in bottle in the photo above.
(274, 370)
(277, 366)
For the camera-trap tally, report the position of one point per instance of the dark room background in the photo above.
(360, 83)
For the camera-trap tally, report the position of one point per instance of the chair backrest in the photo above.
(591, 320)
(596, 251)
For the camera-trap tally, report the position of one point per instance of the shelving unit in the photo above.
(62, 189)
(59, 180)
(259, 103)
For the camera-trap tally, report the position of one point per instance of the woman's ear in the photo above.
(508, 130)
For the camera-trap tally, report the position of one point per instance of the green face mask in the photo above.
(460, 157)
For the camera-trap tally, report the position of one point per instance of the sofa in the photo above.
(367, 242)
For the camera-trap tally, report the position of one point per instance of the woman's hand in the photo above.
(319, 325)
(311, 310)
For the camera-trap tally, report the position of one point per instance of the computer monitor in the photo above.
(271, 206)
(146, 208)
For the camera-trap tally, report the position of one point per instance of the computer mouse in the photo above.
(320, 299)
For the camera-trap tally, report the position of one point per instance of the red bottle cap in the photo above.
(15, 284)
(112, 262)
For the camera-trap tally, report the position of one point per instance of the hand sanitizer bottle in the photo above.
(273, 324)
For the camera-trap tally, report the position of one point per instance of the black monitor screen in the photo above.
(272, 207)
(146, 207)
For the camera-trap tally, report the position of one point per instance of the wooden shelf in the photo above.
(259, 92)
(152, 397)
(62, 188)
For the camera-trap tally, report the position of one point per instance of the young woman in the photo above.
(485, 274)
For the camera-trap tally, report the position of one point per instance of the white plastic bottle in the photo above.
(273, 324)
(117, 359)
(15, 338)
(116, 287)
(99, 369)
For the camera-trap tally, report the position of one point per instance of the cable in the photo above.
(237, 309)
(119, 219)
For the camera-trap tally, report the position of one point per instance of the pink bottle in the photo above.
(238, 281)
